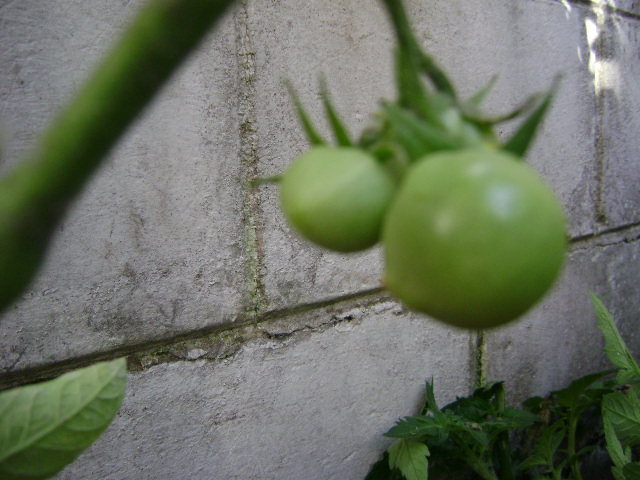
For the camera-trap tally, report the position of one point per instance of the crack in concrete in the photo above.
(628, 233)
(218, 342)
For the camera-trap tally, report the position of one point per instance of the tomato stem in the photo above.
(408, 42)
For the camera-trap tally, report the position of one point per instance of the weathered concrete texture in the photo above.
(311, 404)
(558, 340)
(619, 90)
(349, 43)
(526, 43)
(155, 244)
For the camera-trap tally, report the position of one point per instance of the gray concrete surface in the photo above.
(254, 354)
(155, 245)
(308, 403)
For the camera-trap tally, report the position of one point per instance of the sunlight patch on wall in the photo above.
(605, 71)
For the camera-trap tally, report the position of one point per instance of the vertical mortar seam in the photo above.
(248, 153)
(480, 359)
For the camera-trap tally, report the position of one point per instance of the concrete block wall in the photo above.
(253, 354)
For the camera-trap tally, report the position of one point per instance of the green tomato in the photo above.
(337, 197)
(473, 238)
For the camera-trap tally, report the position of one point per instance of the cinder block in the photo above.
(559, 341)
(526, 44)
(619, 91)
(155, 244)
(307, 402)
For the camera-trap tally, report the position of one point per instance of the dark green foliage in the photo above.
(555, 437)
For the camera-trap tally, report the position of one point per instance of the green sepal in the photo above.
(477, 98)
(521, 140)
(312, 135)
(337, 125)
(418, 136)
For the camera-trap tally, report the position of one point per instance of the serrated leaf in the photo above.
(546, 447)
(570, 396)
(618, 455)
(623, 411)
(516, 418)
(45, 426)
(410, 457)
(418, 427)
(615, 348)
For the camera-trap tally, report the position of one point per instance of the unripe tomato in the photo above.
(473, 238)
(337, 197)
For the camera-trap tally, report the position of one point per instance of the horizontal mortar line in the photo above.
(377, 294)
(575, 242)
(47, 371)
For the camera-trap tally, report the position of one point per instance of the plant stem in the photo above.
(571, 444)
(504, 449)
(35, 195)
(407, 40)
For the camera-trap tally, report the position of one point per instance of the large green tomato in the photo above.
(337, 197)
(473, 238)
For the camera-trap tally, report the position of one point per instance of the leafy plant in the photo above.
(621, 408)
(479, 437)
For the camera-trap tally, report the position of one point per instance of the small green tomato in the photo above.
(337, 197)
(473, 238)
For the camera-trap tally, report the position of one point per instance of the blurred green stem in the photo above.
(35, 195)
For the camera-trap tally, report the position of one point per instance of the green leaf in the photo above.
(430, 404)
(545, 448)
(618, 454)
(570, 396)
(418, 427)
(410, 457)
(45, 426)
(615, 348)
(632, 471)
(516, 418)
(339, 130)
(312, 135)
(623, 411)
(521, 140)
